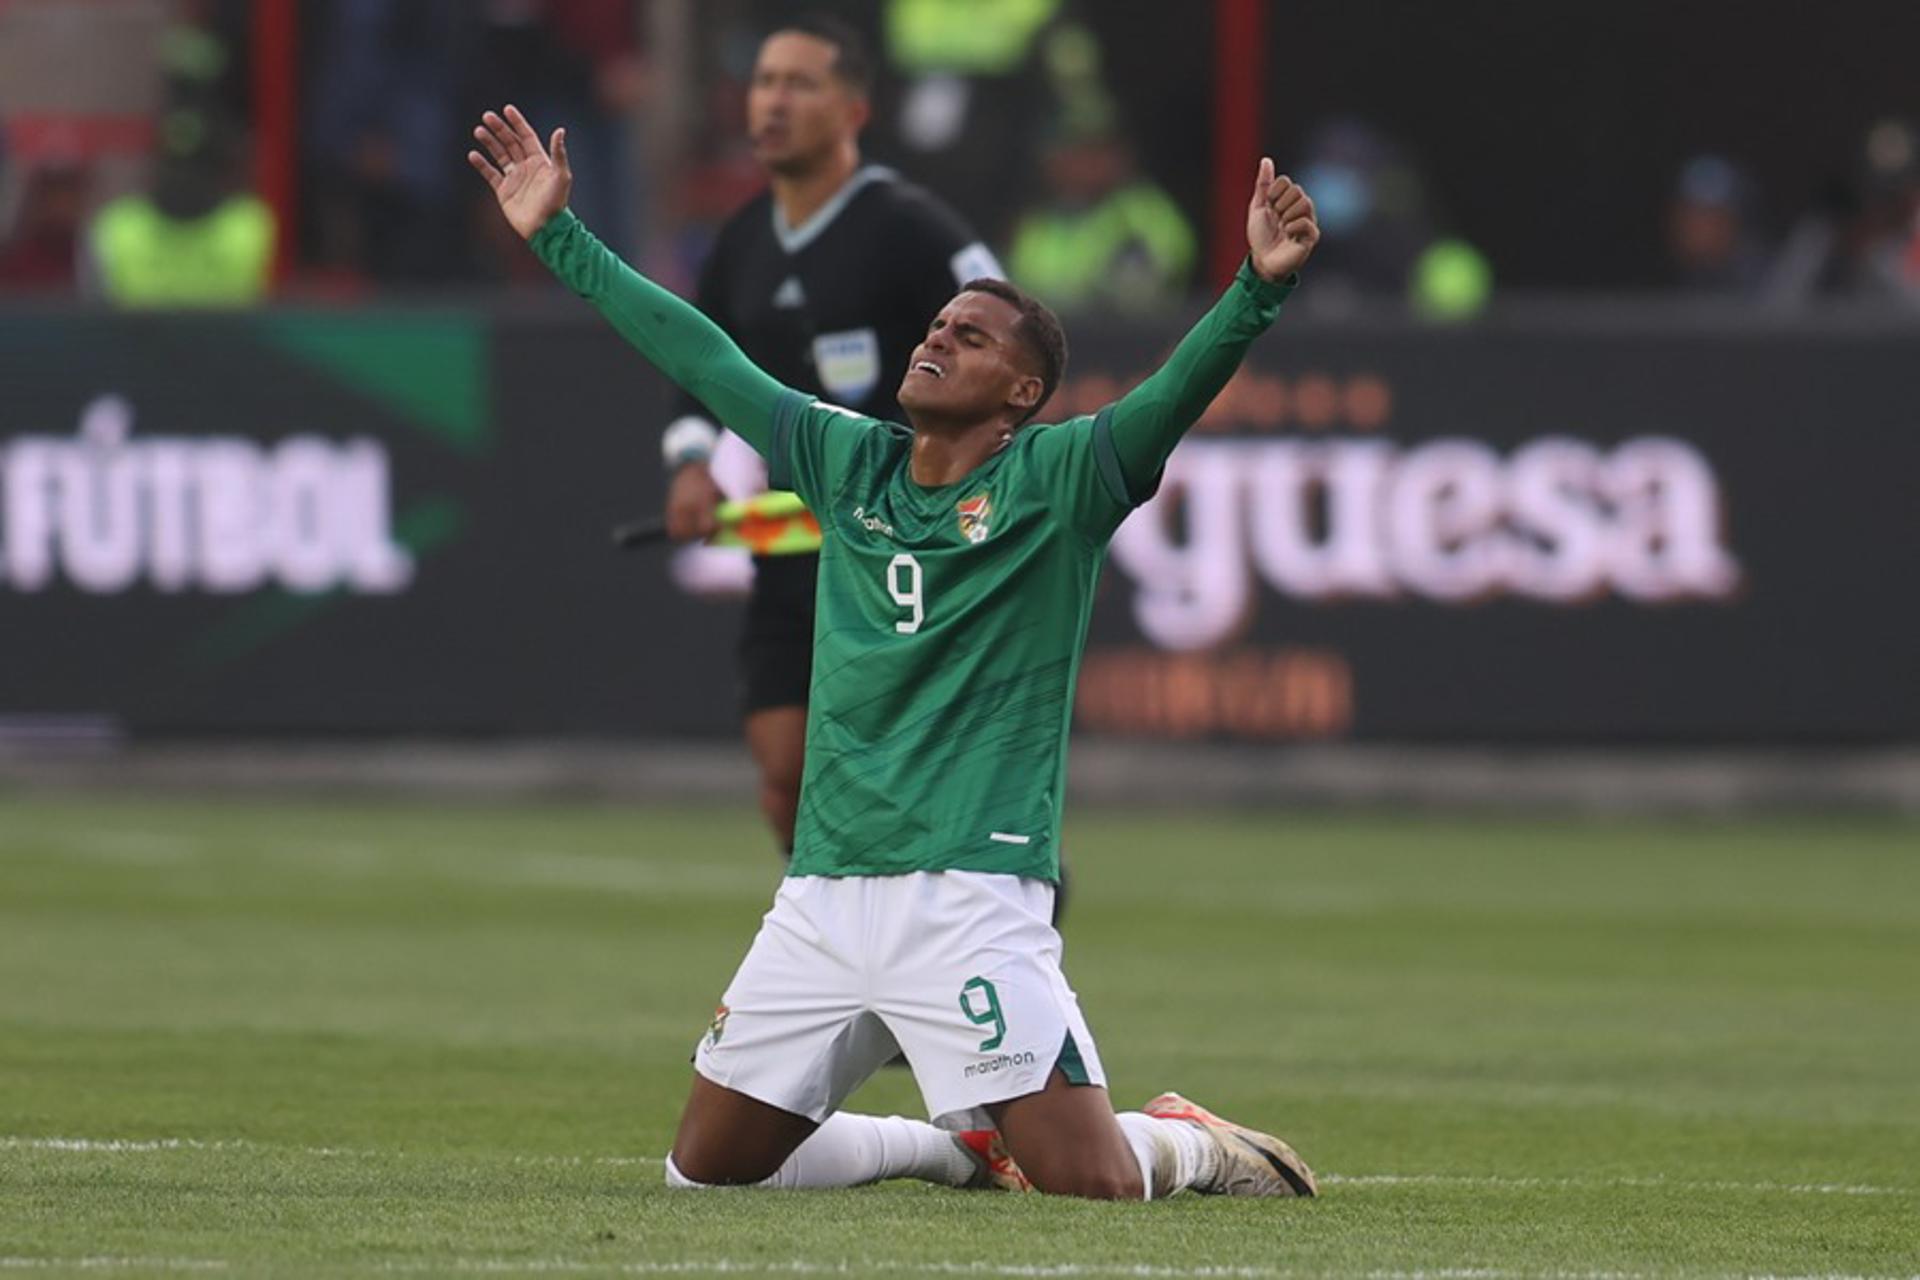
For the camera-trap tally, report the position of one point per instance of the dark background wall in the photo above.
(1549, 132)
(1484, 599)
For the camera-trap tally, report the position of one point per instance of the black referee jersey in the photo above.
(836, 305)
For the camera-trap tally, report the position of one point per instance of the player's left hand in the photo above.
(1281, 228)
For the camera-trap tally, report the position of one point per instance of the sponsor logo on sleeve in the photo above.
(976, 262)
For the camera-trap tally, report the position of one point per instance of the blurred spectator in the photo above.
(1380, 237)
(577, 64)
(43, 252)
(1105, 235)
(1372, 207)
(1450, 281)
(195, 240)
(385, 118)
(976, 76)
(1711, 244)
(392, 85)
(197, 237)
(944, 46)
(1863, 238)
(719, 171)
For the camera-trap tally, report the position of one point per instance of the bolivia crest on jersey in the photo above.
(974, 514)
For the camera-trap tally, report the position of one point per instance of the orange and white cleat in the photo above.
(1251, 1163)
(994, 1169)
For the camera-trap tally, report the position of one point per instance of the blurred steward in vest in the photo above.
(1106, 236)
(975, 75)
(195, 238)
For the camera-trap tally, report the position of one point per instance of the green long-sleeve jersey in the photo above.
(951, 619)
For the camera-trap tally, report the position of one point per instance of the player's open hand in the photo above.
(1281, 227)
(530, 183)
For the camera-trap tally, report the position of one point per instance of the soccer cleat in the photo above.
(1251, 1163)
(994, 1169)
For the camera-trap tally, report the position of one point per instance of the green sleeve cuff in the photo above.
(786, 415)
(551, 233)
(1107, 458)
(1257, 287)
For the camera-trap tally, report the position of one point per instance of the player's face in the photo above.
(971, 366)
(798, 111)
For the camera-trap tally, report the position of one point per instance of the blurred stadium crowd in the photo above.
(131, 154)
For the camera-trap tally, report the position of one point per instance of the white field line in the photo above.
(135, 1146)
(726, 1266)
(1656, 1183)
(110, 1262)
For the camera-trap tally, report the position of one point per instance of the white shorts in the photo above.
(959, 970)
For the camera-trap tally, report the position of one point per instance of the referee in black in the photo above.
(827, 281)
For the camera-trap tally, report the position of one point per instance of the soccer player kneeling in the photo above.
(956, 580)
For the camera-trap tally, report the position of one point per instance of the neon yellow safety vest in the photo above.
(1072, 258)
(969, 37)
(148, 259)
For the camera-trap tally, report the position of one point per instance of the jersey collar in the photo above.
(794, 239)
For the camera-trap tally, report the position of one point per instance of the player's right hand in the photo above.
(530, 184)
(1281, 226)
(693, 503)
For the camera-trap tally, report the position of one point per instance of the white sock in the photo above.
(1173, 1154)
(851, 1150)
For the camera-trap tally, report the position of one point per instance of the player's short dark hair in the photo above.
(1038, 330)
(851, 60)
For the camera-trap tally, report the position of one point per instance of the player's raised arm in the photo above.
(1150, 420)
(532, 183)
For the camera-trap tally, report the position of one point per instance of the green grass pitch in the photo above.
(313, 1038)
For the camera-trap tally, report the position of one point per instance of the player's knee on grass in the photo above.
(690, 1171)
(1068, 1142)
(1106, 1183)
(693, 1168)
(680, 1181)
(727, 1139)
(1086, 1172)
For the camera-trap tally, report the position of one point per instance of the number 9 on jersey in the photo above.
(903, 584)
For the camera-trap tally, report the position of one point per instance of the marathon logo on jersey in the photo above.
(1003, 1062)
(974, 514)
(848, 363)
